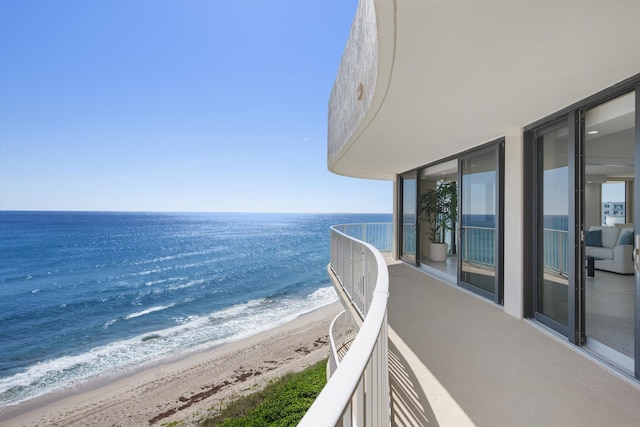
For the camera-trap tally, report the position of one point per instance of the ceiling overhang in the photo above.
(454, 75)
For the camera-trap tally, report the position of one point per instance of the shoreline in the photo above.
(183, 387)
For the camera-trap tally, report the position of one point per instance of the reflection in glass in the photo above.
(430, 178)
(552, 298)
(478, 226)
(409, 194)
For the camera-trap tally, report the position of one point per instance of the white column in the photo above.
(513, 223)
(396, 220)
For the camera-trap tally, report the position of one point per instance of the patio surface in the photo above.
(458, 360)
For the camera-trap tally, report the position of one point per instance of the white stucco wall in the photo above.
(355, 83)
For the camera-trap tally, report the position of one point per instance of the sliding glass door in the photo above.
(553, 281)
(585, 204)
(609, 195)
(479, 222)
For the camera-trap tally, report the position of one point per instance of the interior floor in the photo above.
(446, 271)
(610, 310)
(609, 304)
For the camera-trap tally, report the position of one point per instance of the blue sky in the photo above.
(173, 105)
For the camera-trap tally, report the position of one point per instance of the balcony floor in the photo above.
(457, 360)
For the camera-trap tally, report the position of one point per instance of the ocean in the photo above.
(90, 295)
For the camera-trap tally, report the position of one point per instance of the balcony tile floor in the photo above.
(458, 360)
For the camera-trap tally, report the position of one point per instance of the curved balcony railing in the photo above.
(358, 391)
(377, 234)
(342, 333)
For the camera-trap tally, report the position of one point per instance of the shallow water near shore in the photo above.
(87, 295)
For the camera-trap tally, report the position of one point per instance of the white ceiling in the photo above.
(610, 152)
(462, 73)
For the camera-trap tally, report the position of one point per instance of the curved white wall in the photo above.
(355, 84)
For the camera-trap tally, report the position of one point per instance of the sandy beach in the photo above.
(185, 389)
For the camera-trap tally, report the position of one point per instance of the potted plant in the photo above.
(438, 207)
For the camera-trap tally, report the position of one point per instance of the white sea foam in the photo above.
(147, 311)
(184, 285)
(109, 323)
(147, 272)
(191, 333)
(169, 280)
(184, 319)
(178, 256)
(156, 282)
(236, 310)
(153, 271)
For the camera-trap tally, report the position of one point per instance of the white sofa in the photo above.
(612, 255)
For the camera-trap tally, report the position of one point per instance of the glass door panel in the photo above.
(478, 221)
(409, 217)
(609, 198)
(552, 296)
(432, 178)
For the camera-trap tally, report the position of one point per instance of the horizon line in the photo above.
(193, 212)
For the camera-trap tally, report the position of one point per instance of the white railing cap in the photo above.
(329, 406)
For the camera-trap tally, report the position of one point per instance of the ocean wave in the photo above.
(167, 280)
(109, 323)
(236, 310)
(147, 272)
(184, 285)
(178, 256)
(184, 319)
(190, 334)
(156, 282)
(325, 296)
(147, 311)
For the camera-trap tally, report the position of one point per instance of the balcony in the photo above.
(455, 359)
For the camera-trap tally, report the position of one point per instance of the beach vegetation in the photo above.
(281, 403)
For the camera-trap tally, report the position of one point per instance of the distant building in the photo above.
(613, 213)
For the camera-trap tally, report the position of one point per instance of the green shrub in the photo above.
(282, 403)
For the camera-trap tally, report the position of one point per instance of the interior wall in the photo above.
(629, 202)
(513, 223)
(593, 205)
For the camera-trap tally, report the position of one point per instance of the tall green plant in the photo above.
(438, 207)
